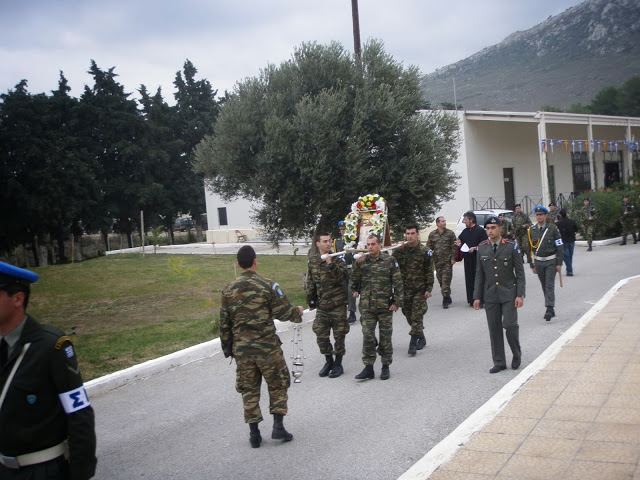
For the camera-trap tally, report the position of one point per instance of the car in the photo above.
(183, 224)
(481, 217)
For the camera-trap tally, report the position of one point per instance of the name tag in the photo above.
(74, 400)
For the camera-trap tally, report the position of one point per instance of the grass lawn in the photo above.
(127, 310)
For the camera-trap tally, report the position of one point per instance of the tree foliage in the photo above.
(306, 138)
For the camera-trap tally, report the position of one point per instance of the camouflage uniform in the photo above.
(520, 222)
(325, 291)
(552, 217)
(249, 305)
(546, 256)
(379, 283)
(507, 230)
(417, 278)
(444, 252)
(339, 245)
(588, 225)
(627, 215)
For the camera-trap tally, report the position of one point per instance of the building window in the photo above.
(222, 216)
(581, 172)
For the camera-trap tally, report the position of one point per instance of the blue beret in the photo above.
(492, 220)
(341, 223)
(540, 209)
(10, 274)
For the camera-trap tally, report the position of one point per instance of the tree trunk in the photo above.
(62, 258)
(198, 228)
(105, 239)
(77, 248)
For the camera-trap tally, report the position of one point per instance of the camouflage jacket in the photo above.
(520, 222)
(442, 245)
(325, 283)
(628, 209)
(378, 281)
(551, 244)
(506, 231)
(415, 267)
(249, 305)
(588, 211)
(552, 217)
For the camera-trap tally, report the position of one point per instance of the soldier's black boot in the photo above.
(449, 301)
(549, 313)
(337, 369)
(384, 374)
(445, 304)
(279, 432)
(590, 248)
(412, 345)
(624, 241)
(327, 366)
(352, 317)
(422, 341)
(366, 374)
(254, 436)
(635, 238)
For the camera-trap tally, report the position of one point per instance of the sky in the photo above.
(148, 41)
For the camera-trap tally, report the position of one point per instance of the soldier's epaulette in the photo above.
(506, 240)
(484, 242)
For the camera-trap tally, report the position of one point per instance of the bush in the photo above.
(608, 205)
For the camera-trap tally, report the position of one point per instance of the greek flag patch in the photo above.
(276, 288)
(430, 252)
(69, 351)
(558, 242)
(74, 400)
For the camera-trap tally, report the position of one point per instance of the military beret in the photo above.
(625, 196)
(588, 199)
(492, 220)
(552, 204)
(517, 205)
(341, 224)
(540, 209)
(10, 274)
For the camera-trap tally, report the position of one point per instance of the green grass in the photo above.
(127, 310)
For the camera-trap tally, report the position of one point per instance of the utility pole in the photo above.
(356, 29)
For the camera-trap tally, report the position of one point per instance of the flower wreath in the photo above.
(367, 203)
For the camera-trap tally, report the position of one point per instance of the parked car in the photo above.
(481, 217)
(183, 224)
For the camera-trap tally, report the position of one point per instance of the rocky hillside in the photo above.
(564, 60)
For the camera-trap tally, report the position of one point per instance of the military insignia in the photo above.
(558, 242)
(276, 288)
(31, 399)
(430, 252)
(69, 351)
(61, 340)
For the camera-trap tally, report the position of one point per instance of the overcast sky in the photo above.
(147, 41)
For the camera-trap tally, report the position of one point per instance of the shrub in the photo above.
(608, 205)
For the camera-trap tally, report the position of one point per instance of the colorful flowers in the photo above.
(373, 203)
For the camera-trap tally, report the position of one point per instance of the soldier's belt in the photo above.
(542, 259)
(35, 457)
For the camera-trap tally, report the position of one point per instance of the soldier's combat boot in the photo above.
(624, 241)
(324, 371)
(445, 304)
(549, 313)
(449, 301)
(352, 317)
(337, 369)
(279, 432)
(412, 345)
(255, 439)
(366, 374)
(590, 248)
(635, 238)
(384, 374)
(422, 341)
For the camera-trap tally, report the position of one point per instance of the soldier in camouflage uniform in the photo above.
(325, 291)
(627, 220)
(442, 243)
(339, 245)
(552, 213)
(414, 261)
(506, 231)
(521, 222)
(249, 305)
(588, 223)
(545, 242)
(376, 280)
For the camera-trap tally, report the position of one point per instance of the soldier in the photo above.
(414, 261)
(339, 245)
(545, 244)
(626, 220)
(46, 419)
(247, 333)
(442, 242)
(506, 229)
(552, 213)
(521, 223)
(500, 284)
(325, 291)
(376, 280)
(638, 215)
(588, 222)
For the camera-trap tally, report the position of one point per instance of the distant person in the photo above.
(552, 213)
(326, 293)
(568, 229)
(500, 284)
(627, 219)
(506, 229)
(467, 243)
(442, 242)
(588, 215)
(249, 305)
(47, 426)
(339, 245)
(520, 222)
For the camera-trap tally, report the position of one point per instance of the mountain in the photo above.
(564, 60)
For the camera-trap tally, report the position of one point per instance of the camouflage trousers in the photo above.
(414, 308)
(587, 232)
(325, 321)
(249, 372)
(369, 321)
(627, 226)
(444, 272)
(520, 236)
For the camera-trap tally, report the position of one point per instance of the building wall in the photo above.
(238, 218)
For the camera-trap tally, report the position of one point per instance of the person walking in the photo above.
(339, 245)
(588, 215)
(326, 293)
(377, 281)
(545, 244)
(627, 220)
(414, 261)
(521, 223)
(442, 243)
(506, 230)
(249, 305)
(47, 422)
(568, 229)
(500, 284)
(467, 243)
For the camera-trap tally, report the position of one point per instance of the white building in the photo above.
(507, 158)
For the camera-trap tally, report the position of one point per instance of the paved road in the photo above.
(187, 423)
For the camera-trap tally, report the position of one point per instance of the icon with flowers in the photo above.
(373, 204)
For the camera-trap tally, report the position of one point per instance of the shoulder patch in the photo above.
(484, 242)
(429, 252)
(276, 288)
(61, 340)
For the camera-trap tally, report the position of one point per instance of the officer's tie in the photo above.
(4, 352)
(495, 248)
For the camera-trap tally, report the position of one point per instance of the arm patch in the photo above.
(558, 242)
(74, 400)
(276, 288)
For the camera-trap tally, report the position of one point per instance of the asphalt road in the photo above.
(187, 423)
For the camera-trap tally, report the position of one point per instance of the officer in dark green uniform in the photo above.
(46, 420)
(547, 254)
(500, 284)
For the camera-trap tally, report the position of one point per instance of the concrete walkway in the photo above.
(574, 413)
